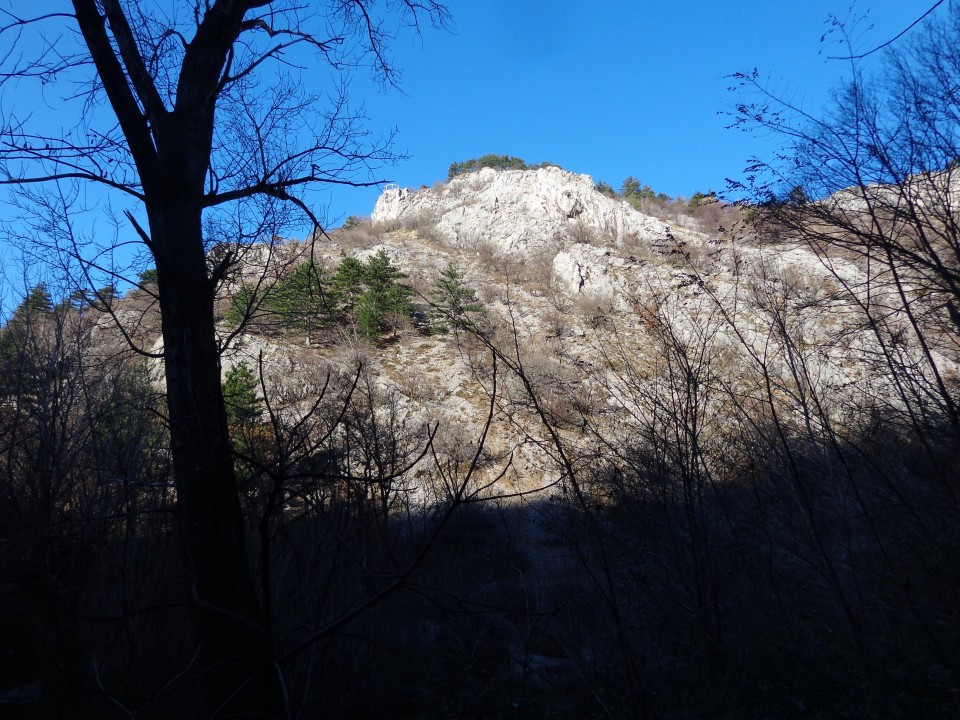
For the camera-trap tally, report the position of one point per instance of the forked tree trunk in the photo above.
(171, 148)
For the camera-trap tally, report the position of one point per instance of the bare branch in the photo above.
(72, 176)
(140, 77)
(892, 40)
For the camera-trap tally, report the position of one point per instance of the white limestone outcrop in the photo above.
(523, 212)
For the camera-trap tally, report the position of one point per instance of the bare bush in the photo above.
(361, 235)
(595, 310)
(578, 231)
(488, 254)
(538, 270)
(424, 224)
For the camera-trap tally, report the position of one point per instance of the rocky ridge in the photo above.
(523, 211)
(580, 288)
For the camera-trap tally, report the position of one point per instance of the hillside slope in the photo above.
(648, 462)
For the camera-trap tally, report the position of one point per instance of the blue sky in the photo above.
(610, 89)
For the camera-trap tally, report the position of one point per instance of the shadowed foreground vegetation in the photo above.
(687, 564)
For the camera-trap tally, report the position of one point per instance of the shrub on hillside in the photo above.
(497, 162)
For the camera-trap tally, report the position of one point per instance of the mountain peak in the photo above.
(521, 211)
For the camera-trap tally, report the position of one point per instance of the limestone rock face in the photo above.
(522, 212)
(585, 269)
(579, 285)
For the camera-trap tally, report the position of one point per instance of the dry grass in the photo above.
(361, 236)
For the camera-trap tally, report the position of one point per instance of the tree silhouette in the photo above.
(206, 116)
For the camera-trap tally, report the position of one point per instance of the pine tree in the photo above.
(370, 293)
(148, 278)
(348, 283)
(385, 301)
(36, 305)
(452, 300)
(36, 302)
(243, 306)
(240, 396)
(18, 338)
(303, 300)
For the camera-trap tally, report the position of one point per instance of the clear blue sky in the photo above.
(610, 88)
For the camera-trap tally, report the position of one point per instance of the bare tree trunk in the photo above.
(226, 609)
(164, 77)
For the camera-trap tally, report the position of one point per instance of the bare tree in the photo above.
(207, 124)
(874, 181)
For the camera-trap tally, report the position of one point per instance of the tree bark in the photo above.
(225, 607)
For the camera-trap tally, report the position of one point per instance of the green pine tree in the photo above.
(19, 336)
(302, 300)
(243, 306)
(384, 301)
(368, 315)
(103, 298)
(36, 303)
(243, 404)
(348, 284)
(147, 278)
(452, 301)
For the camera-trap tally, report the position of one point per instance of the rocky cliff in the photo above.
(590, 297)
(522, 211)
